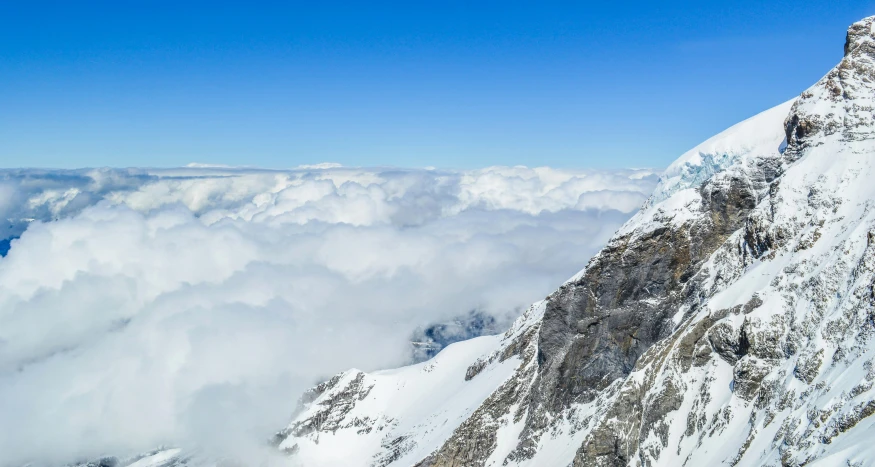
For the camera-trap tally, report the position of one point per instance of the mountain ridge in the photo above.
(728, 321)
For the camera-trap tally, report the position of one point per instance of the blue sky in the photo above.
(447, 84)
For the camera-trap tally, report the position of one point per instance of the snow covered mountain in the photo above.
(730, 322)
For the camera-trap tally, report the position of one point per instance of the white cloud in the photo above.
(193, 305)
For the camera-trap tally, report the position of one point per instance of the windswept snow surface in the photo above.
(759, 136)
(419, 405)
(676, 197)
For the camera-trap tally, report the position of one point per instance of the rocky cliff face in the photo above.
(730, 322)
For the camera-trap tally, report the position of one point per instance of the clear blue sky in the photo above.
(447, 84)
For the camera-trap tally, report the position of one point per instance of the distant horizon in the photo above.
(460, 86)
(324, 166)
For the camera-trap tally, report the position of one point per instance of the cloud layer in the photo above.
(191, 306)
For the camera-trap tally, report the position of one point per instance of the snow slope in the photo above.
(759, 136)
(400, 415)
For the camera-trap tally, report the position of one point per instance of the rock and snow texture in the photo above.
(730, 322)
(398, 416)
(753, 138)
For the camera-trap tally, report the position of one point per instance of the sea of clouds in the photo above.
(191, 306)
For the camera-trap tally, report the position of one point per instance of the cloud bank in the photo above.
(191, 306)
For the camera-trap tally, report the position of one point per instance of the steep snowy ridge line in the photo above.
(749, 139)
(437, 395)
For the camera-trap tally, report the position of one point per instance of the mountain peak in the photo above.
(861, 37)
(839, 106)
